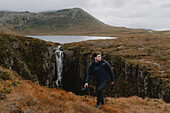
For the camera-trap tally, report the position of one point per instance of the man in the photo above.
(101, 69)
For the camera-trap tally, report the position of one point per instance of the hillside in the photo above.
(139, 58)
(67, 20)
(18, 95)
(140, 63)
(74, 21)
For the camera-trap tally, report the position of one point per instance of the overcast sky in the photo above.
(148, 14)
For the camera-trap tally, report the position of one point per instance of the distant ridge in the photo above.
(65, 21)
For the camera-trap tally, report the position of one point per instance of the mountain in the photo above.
(139, 58)
(66, 21)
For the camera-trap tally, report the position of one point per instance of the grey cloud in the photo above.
(165, 6)
(129, 13)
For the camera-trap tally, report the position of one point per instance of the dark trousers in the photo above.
(100, 86)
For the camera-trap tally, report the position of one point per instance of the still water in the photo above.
(68, 38)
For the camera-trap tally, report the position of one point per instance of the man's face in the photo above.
(98, 58)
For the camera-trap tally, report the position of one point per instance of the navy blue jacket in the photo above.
(101, 70)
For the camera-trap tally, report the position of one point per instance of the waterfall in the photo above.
(59, 65)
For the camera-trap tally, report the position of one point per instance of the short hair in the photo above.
(96, 53)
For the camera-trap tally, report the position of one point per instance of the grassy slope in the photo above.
(22, 95)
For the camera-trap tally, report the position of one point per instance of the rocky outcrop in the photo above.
(33, 59)
(131, 79)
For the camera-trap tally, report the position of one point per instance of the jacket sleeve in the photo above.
(110, 71)
(89, 73)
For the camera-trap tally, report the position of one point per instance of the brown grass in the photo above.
(133, 48)
(32, 98)
(153, 48)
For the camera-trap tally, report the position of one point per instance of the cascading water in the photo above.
(59, 66)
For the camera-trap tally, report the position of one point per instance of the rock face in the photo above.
(32, 58)
(131, 79)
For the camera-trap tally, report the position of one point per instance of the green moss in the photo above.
(27, 58)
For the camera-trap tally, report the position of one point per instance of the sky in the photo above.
(145, 14)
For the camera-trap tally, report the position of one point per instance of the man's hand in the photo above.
(112, 83)
(86, 85)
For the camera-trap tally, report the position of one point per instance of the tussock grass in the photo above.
(29, 97)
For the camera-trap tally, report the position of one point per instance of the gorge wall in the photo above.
(31, 58)
(131, 79)
(34, 59)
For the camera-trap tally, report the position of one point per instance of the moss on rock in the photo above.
(32, 58)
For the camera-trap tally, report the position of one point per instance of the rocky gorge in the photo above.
(131, 78)
(34, 59)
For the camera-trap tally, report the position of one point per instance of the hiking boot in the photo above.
(102, 103)
(97, 106)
